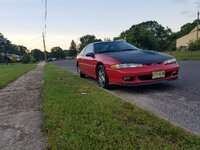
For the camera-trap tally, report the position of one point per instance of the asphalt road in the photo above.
(177, 101)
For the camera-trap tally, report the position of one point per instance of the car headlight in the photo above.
(170, 61)
(123, 66)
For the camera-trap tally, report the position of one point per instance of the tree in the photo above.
(117, 38)
(23, 50)
(186, 28)
(28, 58)
(148, 35)
(87, 39)
(37, 54)
(13, 49)
(7, 47)
(57, 52)
(3, 49)
(72, 49)
(3, 42)
(194, 45)
(106, 39)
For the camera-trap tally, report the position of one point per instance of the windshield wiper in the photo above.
(107, 51)
(130, 49)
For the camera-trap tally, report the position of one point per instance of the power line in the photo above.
(30, 40)
(57, 39)
(44, 2)
(44, 15)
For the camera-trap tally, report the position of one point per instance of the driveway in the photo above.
(177, 101)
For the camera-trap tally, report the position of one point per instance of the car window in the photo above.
(113, 47)
(82, 53)
(89, 49)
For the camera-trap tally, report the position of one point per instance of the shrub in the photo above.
(28, 58)
(194, 45)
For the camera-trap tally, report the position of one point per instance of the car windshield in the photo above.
(116, 46)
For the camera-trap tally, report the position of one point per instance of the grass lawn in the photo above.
(79, 115)
(11, 72)
(185, 55)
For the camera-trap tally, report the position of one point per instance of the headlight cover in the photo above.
(124, 66)
(170, 61)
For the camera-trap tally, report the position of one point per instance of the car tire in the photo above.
(102, 77)
(79, 72)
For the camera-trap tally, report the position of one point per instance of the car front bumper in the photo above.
(142, 75)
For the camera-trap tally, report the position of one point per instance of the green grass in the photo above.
(185, 55)
(79, 115)
(11, 72)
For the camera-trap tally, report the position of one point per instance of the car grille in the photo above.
(149, 77)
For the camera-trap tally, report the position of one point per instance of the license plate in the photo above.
(158, 74)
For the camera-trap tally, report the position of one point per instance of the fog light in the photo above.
(128, 78)
(175, 73)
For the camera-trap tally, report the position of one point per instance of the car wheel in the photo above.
(79, 72)
(102, 77)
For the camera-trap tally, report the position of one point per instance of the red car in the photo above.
(119, 62)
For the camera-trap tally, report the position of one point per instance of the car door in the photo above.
(88, 61)
(81, 60)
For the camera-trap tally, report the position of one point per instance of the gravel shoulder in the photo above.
(20, 120)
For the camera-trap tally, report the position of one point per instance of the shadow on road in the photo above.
(158, 87)
(146, 88)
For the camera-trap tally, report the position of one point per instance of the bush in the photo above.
(194, 45)
(28, 58)
(13, 60)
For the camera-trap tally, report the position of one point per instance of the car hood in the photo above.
(139, 56)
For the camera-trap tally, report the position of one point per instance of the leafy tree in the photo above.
(57, 52)
(3, 48)
(87, 39)
(72, 49)
(13, 49)
(37, 54)
(48, 54)
(107, 39)
(23, 50)
(28, 58)
(3, 42)
(148, 35)
(7, 47)
(186, 28)
(117, 38)
(66, 52)
(194, 45)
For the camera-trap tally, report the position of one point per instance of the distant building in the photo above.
(184, 41)
(14, 57)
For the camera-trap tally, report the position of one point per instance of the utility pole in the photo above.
(45, 53)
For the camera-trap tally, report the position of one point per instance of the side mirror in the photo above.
(89, 55)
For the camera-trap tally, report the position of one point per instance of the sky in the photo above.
(22, 21)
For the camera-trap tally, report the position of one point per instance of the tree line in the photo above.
(146, 35)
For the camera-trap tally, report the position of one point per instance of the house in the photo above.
(14, 57)
(184, 41)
